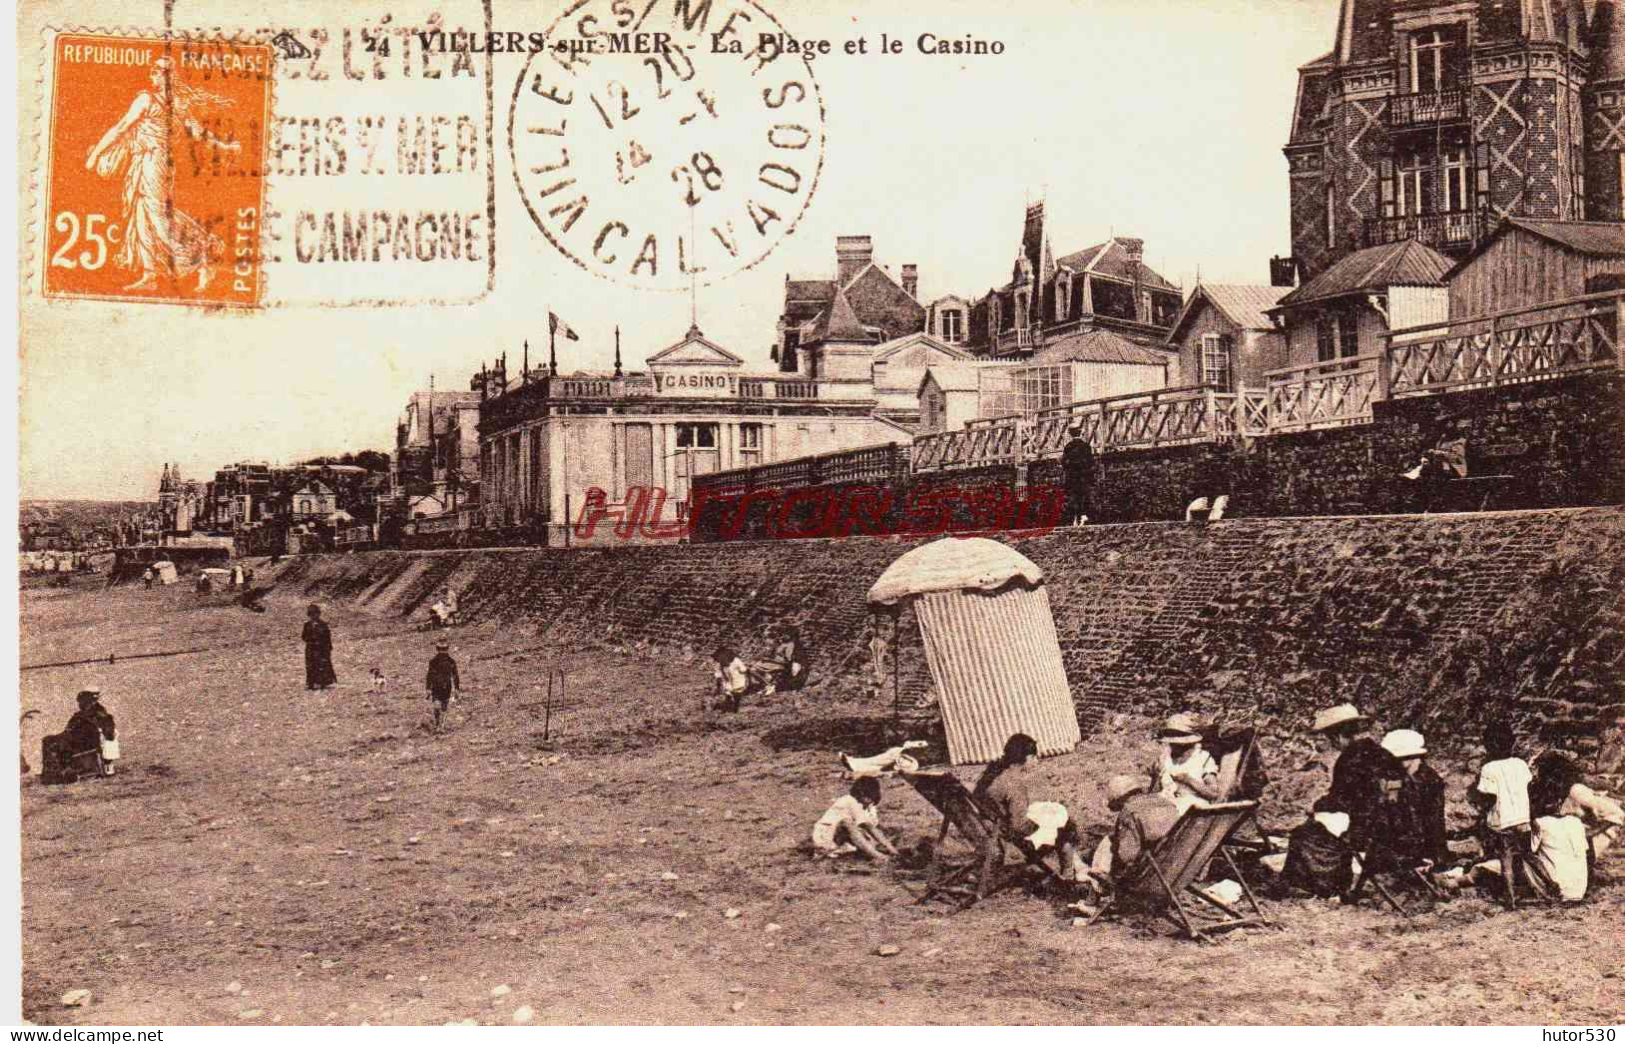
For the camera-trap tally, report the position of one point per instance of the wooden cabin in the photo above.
(1526, 263)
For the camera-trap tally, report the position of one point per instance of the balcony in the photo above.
(1452, 230)
(1427, 109)
(1023, 339)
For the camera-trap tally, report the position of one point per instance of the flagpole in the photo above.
(618, 350)
(524, 366)
(552, 352)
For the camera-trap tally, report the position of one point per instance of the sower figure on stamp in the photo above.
(158, 238)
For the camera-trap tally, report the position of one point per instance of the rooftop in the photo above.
(1373, 270)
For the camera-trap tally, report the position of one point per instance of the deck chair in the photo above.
(979, 828)
(1165, 877)
(1242, 778)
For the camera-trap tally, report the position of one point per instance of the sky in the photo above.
(1161, 119)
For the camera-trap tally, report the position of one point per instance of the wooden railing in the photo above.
(1322, 394)
(1526, 344)
(1140, 420)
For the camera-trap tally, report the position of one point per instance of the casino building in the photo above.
(549, 441)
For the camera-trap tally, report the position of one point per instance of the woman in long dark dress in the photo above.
(318, 651)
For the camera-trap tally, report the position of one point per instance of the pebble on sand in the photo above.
(524, 1013)
(500, 991)
(737, 1005)
(76, 998)
(731, 912)
(668, 876)
(234, 987)
(251, 1013)
(889, 950)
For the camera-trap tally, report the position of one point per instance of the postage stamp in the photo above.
(155, 181)
(667, 143)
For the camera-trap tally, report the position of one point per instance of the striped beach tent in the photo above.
(990, 641)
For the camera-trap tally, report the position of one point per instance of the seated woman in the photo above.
(786, 668)
(1002, 792)
(1561, 866)
(444, 612)
(1318, 857)
(1418, 828)
(1186, 773)
(76, 751)
(1143, 819)
(1560, 784)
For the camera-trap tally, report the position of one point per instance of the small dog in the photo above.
(378, 681)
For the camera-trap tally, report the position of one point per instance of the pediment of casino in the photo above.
(694, 350)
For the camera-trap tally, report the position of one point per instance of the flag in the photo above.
(559, 326)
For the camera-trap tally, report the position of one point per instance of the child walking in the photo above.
(442, 680)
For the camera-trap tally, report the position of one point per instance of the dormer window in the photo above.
(951, 325)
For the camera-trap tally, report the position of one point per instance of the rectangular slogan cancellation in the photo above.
(156, 177)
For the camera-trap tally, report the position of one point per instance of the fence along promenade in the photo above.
(1541, 342)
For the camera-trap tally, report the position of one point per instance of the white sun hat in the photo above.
(1404, 743)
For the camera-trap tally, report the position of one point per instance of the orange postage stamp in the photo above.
(156, 176)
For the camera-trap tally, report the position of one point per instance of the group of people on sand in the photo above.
(1540, 829)
(442, 681)
(784, 669)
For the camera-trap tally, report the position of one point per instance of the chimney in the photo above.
(1134, 250)
(911, 281)
(852, 255)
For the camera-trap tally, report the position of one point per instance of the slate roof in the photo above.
(1110, 259)
(1373, 270)
(805, 298)
(1097, 346)
(1245, 306)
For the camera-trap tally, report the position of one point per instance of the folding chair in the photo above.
(1241, 758)
(1167, 874)
(1378, 859)
(979, 827)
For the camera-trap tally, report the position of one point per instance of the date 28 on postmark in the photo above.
(659, 142)
(155, 183)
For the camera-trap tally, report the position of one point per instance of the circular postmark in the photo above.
(663, 142)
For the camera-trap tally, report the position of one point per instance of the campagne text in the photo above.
(769, 45)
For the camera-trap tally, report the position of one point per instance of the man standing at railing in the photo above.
(1077, 471)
